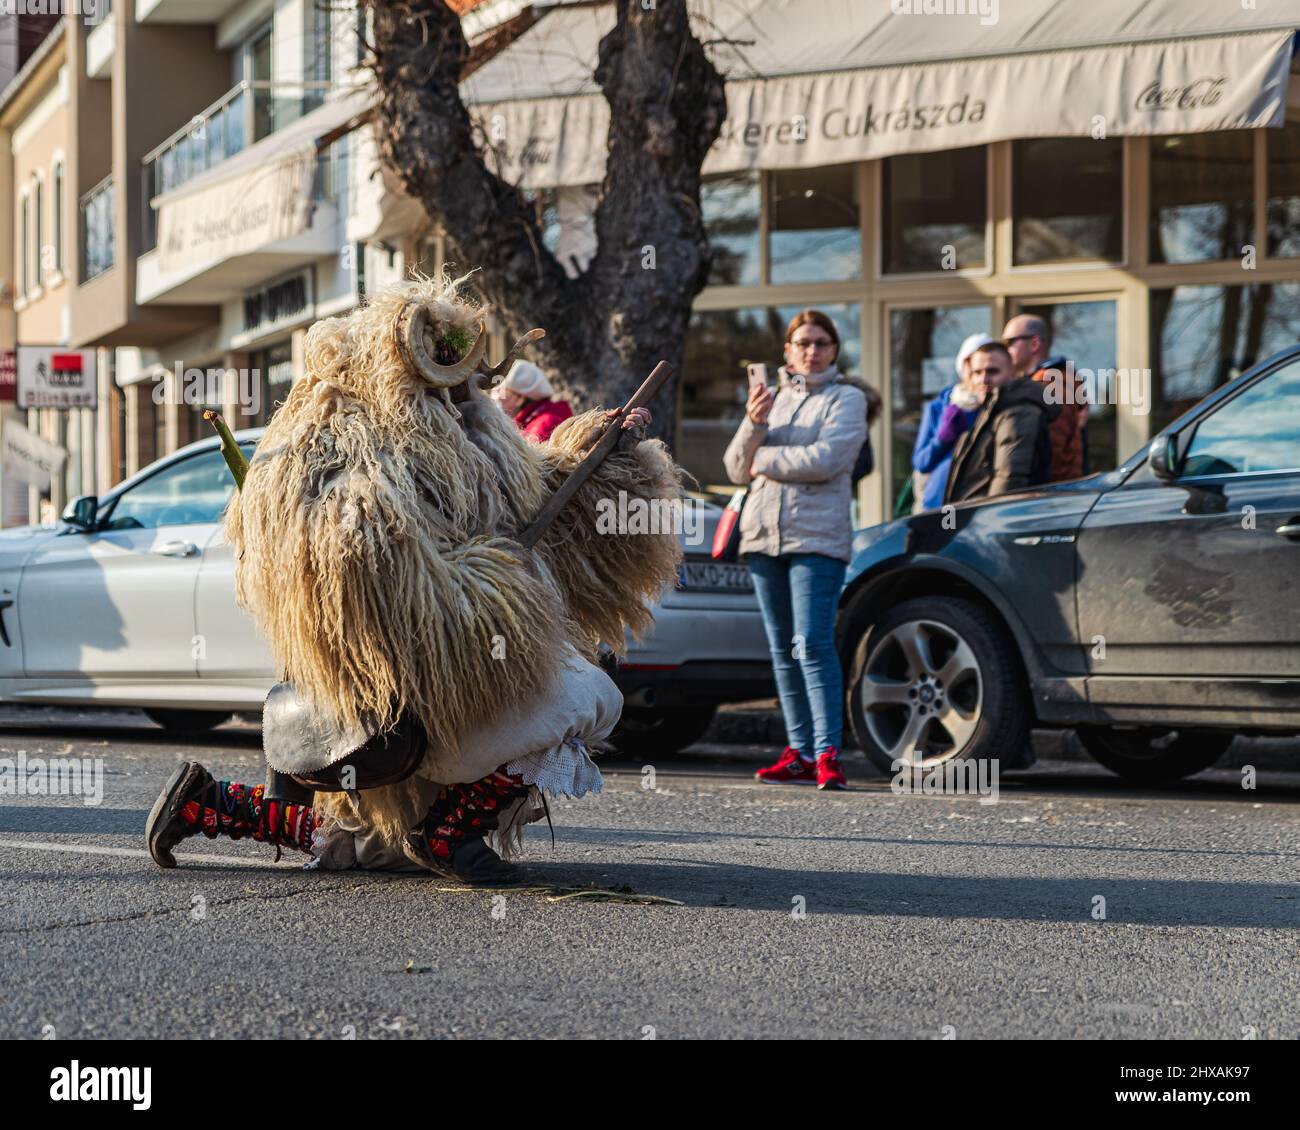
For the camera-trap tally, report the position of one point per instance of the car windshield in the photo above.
(1257, 430)
(191, 490)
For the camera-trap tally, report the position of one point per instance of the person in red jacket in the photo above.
(527, 395)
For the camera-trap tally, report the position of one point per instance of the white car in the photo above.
(129, 601)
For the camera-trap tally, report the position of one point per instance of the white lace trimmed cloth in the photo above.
(551, 735)
(566, 770)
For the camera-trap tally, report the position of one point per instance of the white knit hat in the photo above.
(969, 346)
(526, 379)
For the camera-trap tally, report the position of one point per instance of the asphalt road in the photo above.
(863, 914)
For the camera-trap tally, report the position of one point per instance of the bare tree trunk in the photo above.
(631, 307)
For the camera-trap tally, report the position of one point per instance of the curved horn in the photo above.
(495, 371)
(416, 345)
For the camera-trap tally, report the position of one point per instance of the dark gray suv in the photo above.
(1155, 608)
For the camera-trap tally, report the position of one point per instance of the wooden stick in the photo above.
(593, 459)
(232, 452)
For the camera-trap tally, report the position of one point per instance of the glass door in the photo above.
(1083, 332)
(258, 70)
(923, 345)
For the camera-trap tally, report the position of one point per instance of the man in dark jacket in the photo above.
(1029, 342)
(1008, 447)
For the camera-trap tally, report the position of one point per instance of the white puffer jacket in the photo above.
(799, 467)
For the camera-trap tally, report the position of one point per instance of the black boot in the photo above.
(193, 802)
(167, 825)
(450, 839)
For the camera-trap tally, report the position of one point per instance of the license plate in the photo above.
(714, 576)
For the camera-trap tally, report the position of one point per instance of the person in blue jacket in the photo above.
(944, 420)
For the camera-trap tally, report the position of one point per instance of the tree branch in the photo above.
(667, 106)
(631, 308)
(427, 138)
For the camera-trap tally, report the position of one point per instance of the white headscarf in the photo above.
(968, 347)
(526, 379)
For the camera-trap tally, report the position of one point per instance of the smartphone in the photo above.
(757, 376)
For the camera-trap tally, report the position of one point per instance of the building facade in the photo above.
(923, 177)
(191, 185)
(34, 132)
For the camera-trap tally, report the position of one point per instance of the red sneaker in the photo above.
(791, 769)
(829, 774)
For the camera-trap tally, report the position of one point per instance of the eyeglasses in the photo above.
(813, 343)
(1010, 341)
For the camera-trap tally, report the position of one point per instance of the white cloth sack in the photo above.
(546, 741)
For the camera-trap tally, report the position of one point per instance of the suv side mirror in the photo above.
(1163, 457)
(81, 512)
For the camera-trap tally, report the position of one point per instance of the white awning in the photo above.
(261, 195)
(823, 82)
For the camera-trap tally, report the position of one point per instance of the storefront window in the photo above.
(157, 416)
(923, 348)
(1284, 191)
(273, 370)
(200, 396)
(1202, 196)
(815, 230)
(718, 345)
(731, 206)
(1204, 336)
(934, 211)
(1084, 334)
(1068, 200)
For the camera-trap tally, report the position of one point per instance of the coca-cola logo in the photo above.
(1190, 96)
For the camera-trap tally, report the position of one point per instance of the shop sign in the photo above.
(53, 377)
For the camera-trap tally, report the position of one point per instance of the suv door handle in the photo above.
(176, 549)
(1291, 530)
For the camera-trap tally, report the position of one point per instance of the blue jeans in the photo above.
(797, 593)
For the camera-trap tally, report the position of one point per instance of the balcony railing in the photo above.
(243, 115)
(97, 229)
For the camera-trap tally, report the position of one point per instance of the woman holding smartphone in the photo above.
(796, 449)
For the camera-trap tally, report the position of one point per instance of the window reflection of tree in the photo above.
(1204, 336)
(1283, 213)
(1076, 216)
(931, 201)
(731, 210)
(1202, 197)
(835, 250)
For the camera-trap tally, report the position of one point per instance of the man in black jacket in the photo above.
(1008, 446)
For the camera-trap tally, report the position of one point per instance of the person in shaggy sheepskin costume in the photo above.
(375, 537)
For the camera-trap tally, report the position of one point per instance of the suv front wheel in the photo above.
(935, 679)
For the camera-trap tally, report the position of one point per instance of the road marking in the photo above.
(141, 853)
